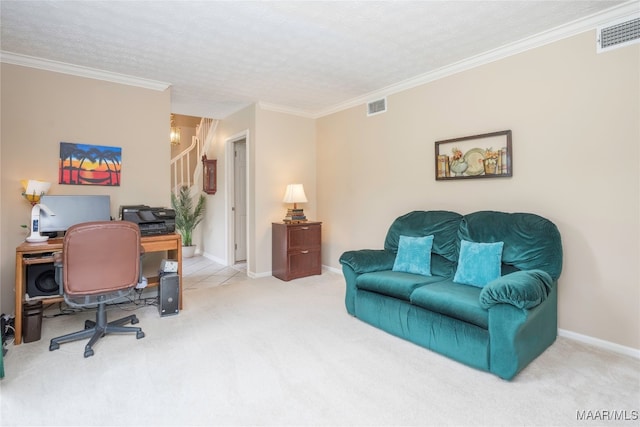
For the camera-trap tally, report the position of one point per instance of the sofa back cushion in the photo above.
(530, 241)
(443, 225)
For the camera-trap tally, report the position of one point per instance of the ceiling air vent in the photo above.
(621, 33)
(376, 107)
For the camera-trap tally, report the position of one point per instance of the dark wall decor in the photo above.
(478, 156)
(209, 181)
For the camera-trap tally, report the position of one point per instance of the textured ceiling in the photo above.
(301, 56)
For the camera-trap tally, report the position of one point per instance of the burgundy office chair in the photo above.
(100, 263)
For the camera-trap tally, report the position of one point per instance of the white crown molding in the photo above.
(77, 70)
(284, 109)
(559, 33)
(538, 40)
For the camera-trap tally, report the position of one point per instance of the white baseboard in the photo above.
(250, 274)
(259, 275)
(607, 345)
(332, 269)
(596, 342)
(214, 258)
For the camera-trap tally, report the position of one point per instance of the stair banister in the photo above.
(182, 175)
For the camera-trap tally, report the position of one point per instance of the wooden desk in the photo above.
(172, 243)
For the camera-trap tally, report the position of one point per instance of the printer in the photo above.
(151, 221)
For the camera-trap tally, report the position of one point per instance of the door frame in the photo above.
(230, 197)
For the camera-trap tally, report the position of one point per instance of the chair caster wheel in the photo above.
(88, 352)
(54, 346)
(134, 321)
(139, 335)
(88, 324)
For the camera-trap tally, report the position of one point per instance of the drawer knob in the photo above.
(304, 228)
(304, 252)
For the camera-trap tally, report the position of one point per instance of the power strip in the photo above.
(169, 266)
(7, 326)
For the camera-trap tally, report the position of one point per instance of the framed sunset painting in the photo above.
(84, 164)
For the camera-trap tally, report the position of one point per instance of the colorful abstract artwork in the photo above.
(84, 164)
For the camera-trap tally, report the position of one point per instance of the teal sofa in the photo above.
(499, 326)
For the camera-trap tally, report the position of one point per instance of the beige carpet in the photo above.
(266, 352)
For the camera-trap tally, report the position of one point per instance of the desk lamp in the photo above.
(33, 190)
(295, 194)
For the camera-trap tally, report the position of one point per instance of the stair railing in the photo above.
(181, 165)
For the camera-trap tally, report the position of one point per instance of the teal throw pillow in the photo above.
(479, 263)
(414, 255)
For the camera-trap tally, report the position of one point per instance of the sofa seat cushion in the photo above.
(453, 300)
(396, 284)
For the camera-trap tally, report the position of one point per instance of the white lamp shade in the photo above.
(33, 189)
(295, 194)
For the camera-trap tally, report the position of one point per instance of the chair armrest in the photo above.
(368, 260)
(57, 272)
(523, 289)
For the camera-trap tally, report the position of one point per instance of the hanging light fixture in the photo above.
(174, 135)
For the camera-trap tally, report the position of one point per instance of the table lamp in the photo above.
(295, 194)
(33, 191)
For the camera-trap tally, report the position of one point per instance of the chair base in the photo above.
(98, 329)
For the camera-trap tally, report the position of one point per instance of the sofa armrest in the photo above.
(368, 260)
(355, 263)
(517, 336)
(523, 289)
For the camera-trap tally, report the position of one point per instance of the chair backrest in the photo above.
(100, 257)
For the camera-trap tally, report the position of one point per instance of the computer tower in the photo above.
(41, 280)
(168, 294)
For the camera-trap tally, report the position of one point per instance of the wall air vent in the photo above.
(376, 107)
(618, 34)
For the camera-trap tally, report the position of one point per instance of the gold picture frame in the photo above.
(488, 155)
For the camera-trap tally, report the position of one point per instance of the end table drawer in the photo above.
(304, 237)
(303, 263)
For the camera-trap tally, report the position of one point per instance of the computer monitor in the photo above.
(70, 210)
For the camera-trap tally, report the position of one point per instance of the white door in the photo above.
(240, 200)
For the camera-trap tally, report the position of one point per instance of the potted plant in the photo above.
(187, 217)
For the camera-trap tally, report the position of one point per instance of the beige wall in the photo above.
(285, 154)
(576, 135)
(573, 113)
(40, 109)
(214, 227)
(280, 150)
